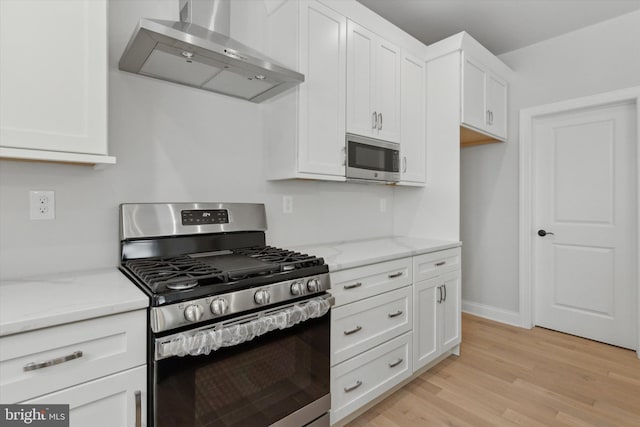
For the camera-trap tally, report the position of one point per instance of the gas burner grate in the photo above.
(178, 273)
(287, 260)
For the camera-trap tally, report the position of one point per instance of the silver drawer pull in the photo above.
(441, 263)
(353, 331)
(58, 360)
(394, 275)
(396, 314)
(396, 363)
(138, 399)
(355, 285)
(353, 387)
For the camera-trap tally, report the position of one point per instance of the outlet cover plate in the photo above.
(42, 204)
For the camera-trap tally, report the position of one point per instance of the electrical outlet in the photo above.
(383, 205)
(287, 204)
(42, 204)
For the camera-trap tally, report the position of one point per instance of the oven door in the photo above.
(280, 377)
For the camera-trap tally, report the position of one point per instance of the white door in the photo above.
(585, 194)
(474, 96)
(361, 50)
(387, 91)
(413, 144)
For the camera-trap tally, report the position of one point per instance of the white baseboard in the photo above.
(492, 313)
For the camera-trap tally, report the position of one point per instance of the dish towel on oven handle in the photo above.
(206, 341)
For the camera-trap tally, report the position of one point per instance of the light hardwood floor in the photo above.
(508, 376)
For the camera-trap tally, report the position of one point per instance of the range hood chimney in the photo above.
(197, 52)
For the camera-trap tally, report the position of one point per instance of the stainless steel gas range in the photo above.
(239, 332)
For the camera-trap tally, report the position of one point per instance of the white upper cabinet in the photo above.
(484, 99)
(373, 85)
(53, 80)
(413, 144)
(305, 128)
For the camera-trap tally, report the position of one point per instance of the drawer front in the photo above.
(76, 352)
(435, 263)
(357, 381)
(357, 283)
(114, 400)
(361, 325)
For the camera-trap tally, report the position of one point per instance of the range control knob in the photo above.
(193, 313)
(313, 285)
(297, 288)
(219, 306)
(262, 297)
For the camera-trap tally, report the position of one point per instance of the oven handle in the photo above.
(226, 334)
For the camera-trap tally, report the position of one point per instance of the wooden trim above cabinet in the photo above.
(469, 138)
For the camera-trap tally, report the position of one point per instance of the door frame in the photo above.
(527, 116)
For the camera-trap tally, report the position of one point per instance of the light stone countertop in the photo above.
(350, 254)
(40, 302)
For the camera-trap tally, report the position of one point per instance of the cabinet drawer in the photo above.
(435, 263)
(358, 326)
(78, 352)
(359, 380)
(362, 282)
(110, 401)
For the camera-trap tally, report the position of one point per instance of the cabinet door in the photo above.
(53, 77)
(387, 90)
(361, 50)
(412, 142)
(474, 97)
(450, 332)
(497, 105)
(323, 58)
(425, 322)
(114, 400)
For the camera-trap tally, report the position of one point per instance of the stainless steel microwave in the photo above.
(371, 159)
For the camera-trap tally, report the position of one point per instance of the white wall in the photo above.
(596, 59)
(173, 143)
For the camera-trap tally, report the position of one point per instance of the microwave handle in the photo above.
(379, 121)
(374, 120)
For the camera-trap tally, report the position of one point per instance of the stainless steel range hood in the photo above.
(197, 52)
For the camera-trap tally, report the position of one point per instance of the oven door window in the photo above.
(252, 384)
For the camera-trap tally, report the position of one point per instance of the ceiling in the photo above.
(499, 25)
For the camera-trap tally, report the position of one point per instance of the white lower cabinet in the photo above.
(96, 366)
(390, 319)
(437, 306)
(365, 377)
(114, 400)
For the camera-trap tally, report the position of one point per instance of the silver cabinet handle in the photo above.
(374, 120)
(353, 331)
(441, 263)
(353, 286)
(380, 121)
(394, 275)
(353, 387)
(445, 292)
(396, 314)
(396, 363)
(138, 397)
(440, 294)
(58, 360)
(404, 163)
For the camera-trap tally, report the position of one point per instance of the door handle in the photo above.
(380, 123)
(396, 363)
(394, 275)
(543, 233)
(440, 294)
(445, 292)
(396, 314)
(374, 120)
(353, 286)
